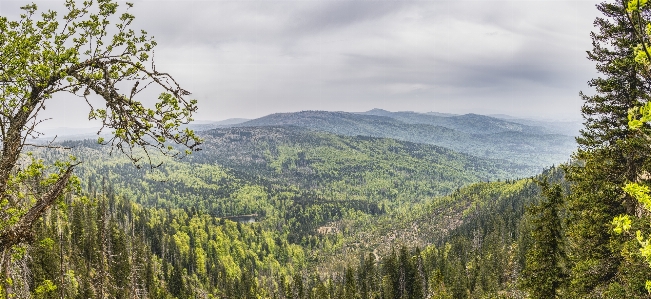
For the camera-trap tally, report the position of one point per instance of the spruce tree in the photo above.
(176, 282)
(544, 270)
(391, 273)
(609, 154)
(350, 287)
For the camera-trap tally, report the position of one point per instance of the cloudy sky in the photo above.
(252, 58)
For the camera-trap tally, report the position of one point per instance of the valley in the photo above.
(270, 201)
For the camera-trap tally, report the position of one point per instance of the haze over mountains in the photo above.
(479, 135)
(468, 123)
(531, 143)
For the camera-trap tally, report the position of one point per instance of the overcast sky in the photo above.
(252, 58)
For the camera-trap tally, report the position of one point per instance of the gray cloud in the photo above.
(251, 58)
(337, 15)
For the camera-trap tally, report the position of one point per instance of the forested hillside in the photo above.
(298, 179)
(329, 166)
(104, 244)
(288, 212)
(483, 124)
(479, 250)
(279, 212)
(477, 135)
(340, 164)
(467, 123)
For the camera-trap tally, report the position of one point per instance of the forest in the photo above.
(106, 244)
(315, 204)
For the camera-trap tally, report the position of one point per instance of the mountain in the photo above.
(521, 145)
(564, 127)
(343, 123)
(302, 178)
(208, 125)
(276, 209)
(468, 123)
(483, 124)
(327, 166)
(230, 121)
(331, 163)
(294, 202)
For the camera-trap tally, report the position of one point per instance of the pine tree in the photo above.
(321, 291)
(391, 274)
(417, 289)
(298, 285)
(544, 270)
(350, 287)
(609, 155)
(176, 282)
(119, 266)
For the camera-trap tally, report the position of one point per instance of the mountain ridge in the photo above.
(502, 140)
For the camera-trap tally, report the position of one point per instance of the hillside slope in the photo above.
(467, 123)
(312, 201)
(329, 166)
(349, 165)
(520, 144)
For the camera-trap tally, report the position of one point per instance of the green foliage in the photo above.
(477, 135)
(87, 49)
(640, 193)
(638, 117)
(166, 231)
(292, 180)
(604, 261)
(357, 168)
(44, 289)
(160, 252)
(544, 271)
(474, 240)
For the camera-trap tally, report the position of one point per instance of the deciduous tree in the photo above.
(89, 51)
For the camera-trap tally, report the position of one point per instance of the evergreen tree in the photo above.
(391, 276)
(119, 261)
(609, 155)
(350, 287)
(298, 285)
(176, 282)
(544, 270)
(417, 289)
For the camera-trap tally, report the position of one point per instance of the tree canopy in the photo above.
(89, 51)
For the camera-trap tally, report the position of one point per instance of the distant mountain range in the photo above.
(533, 143)
(469, 123)
(479, 135)
(496, 121)
(67, 133)
(208, 125)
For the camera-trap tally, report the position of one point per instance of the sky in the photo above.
(247, 59)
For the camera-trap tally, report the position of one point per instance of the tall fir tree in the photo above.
(391, 274)
(609, 154)
(544, 271)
